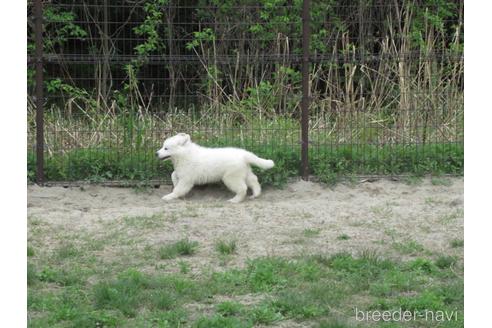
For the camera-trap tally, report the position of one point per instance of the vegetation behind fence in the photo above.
(385, 85)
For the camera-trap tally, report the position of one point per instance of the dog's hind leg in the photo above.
(252, 182)
(181, 189)
(174, 177)
(238, 185)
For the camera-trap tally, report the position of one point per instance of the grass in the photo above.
(451, 216)
(413, 180)
(144, 222)
(183, 247)
(67, 250)
(445, 261)
(343, 237)
(439, 181)
(229, 308)
(410, 247)
(456, 243)
(328, 164)
(226, 247)
(183, 267)
(308, 289)
(30, 251)
(311, 232)
(71, 285)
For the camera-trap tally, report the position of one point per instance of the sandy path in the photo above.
(303, 217)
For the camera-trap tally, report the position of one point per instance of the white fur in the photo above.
(197, 165)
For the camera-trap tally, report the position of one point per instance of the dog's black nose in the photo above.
(157, 153)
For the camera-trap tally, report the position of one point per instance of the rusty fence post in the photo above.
(305, 91)
(38, 34)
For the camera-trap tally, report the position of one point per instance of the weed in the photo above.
(307, 289)
(226, 247)
(409, 247)
(229, 308)
(145, 222)
(184, 267)
(62, 277)
(413, 180)
(30, 251)
(264, 274)
(31, 274)
(183, 247)
(422, 265)
(432, 201)
(311, 232)
(456, 214)
(265, 314)
(445, 261)
(427, 300)
(334, 323)
(455, 243)
(163, 300)
(343, 237)
(219, 321)
(297, 305)
(100, 164)
(123, 294)
(66, 251)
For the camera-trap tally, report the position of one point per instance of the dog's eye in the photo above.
(165, 148)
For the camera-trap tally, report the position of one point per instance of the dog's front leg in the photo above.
(181, 189)
(174, 178)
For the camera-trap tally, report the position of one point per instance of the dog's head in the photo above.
(173, 146)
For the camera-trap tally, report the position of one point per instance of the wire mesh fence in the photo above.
(384, 85)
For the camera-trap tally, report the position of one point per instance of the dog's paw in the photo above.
(235, 200)
(168, 197)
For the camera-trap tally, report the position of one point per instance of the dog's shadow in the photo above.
(205, 193)
(209, 192)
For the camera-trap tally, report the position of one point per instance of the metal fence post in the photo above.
(305, 91)
(38, 31)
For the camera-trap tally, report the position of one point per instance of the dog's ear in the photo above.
(186, 138)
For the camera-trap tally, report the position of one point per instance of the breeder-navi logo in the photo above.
(401, 315)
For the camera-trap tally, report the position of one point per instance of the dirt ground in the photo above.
(392, 218)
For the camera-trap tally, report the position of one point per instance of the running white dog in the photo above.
(196, 165)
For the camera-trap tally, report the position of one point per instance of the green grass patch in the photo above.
(32, 274)
(145, 222)
(123, 294)
(310, 290)
(456, 243)
(67, 251)
(409, 247)
(226, 247)
(184, 267)
(343, 237)
(183, 247)
(445, 261)
(328, 163)
(313, 232)
(30, 251)
(62, 277)
(334, 323)
(264, 314)
(229, 308)
(218, 321)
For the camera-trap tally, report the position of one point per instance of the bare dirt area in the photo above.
(392, 218)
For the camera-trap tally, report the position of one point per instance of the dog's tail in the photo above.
(260, 162)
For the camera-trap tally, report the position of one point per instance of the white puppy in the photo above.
(196, 165)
